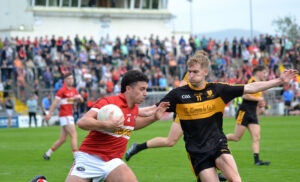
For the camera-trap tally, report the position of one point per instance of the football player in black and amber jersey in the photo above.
(247, 116)
(200, 106)
(174, 135)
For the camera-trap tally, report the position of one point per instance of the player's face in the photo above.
(262, 75)
(69, 81)
(139, 92)
(196, 74)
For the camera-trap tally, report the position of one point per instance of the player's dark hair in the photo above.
(66, 75)
(258, 68)
(132, 77)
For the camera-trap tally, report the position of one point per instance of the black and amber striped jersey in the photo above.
(251, 105)
(200, 112)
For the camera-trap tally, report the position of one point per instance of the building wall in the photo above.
(70, 26)
(13, 14)
(181, 22)
(41, 21)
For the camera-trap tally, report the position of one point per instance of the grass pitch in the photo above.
(21, 154)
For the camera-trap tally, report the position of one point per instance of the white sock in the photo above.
(75, 154)
(49, 152)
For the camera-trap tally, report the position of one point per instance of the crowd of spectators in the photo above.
(38, 64)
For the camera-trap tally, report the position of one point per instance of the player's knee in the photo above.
(170, 143)
(235, 178)
(256, 138)
(236, 138)
(73, 135)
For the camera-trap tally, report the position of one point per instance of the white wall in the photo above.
(13, 14)
(68, 26)
(181, 10)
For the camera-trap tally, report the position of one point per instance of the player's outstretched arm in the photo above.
(147, 111)
(285, 77)
(142, 122)
(252, 98)
(89, 122)
(151, 110)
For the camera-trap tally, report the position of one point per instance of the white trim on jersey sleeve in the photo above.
(67, 101)
(128, 127)
(57, 97)
(95, 109)
(113, 134)
(123, 132)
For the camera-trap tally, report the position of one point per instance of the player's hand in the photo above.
(47, 117)
(161, 109)
(114, 123)
(288, 75)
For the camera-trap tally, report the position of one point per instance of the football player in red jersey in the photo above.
(99, 156)
(66, 96)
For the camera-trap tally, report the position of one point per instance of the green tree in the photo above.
(287, 26)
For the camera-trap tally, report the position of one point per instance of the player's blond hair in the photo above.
(200, 57)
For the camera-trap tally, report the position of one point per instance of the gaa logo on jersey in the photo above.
(80, 168)
(185, 96)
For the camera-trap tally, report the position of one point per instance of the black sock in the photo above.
(256, 157)
(141, 146)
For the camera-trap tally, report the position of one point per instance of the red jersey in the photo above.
(65, 96)
(111, 144)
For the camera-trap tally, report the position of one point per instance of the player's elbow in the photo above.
(236, 138)
(81, 124)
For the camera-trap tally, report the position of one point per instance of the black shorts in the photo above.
(287, 103)
(205, 160)
(45, 113)
(245, 117)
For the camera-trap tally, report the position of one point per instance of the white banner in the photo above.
(24, 121)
